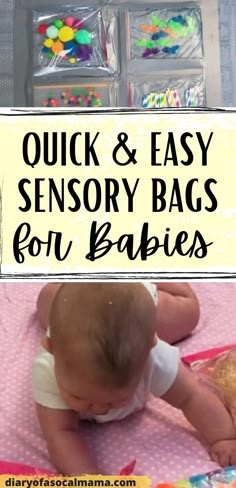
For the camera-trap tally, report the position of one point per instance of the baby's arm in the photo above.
(207, 414)
(67, 450)
(177, 311)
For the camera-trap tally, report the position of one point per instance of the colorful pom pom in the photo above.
(69, 21)
(48, 43)
(67, 38)
(52, 32)
(58, 23)
(66, 34)
(83, 37)
(57, 47)
(42, 28)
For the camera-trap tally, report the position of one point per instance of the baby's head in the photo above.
(101, 336)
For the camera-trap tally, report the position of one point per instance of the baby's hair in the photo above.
(114, 323)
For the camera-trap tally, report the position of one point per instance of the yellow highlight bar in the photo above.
(11, 481)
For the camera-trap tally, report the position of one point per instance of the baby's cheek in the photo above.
(80, 406)
(76, 405)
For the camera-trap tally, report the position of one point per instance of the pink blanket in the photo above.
(165, 446)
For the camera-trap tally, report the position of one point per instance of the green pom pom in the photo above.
(183, 32)
(155, 20)
(164, 42)
(58, 23)
(175, 26)
(150, 44)
(162, 25)
(158, 22)
(142, 43)
(190, 22)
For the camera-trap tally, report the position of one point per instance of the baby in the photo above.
(105, 351)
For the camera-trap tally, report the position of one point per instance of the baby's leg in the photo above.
(177, 312)
(44, 302)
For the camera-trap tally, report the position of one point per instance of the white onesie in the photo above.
(159, 376)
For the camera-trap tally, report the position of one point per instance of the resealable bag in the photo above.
(94, 93)
(217, 369)
(164, 33)
(167, 90)
(219, 478)
(81, 39)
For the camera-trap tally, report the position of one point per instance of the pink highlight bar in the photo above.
(22, 469)
(208, 354)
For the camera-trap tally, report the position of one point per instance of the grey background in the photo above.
(227, 20)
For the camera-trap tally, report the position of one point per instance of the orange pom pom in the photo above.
(149, 29)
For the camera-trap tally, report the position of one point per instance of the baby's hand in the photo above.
(224, 453)
(67, 449)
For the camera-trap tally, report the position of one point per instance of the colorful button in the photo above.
(84, 97)
(51, 102)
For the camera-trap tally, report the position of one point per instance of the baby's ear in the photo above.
(47, 344)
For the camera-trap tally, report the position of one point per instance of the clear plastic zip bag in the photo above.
(90, 94)
(219, 478)
(184, 89)
(173, 32)
(217, 369)
(75, 38)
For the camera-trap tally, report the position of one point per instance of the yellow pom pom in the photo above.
(66, 34)
(48, 43)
